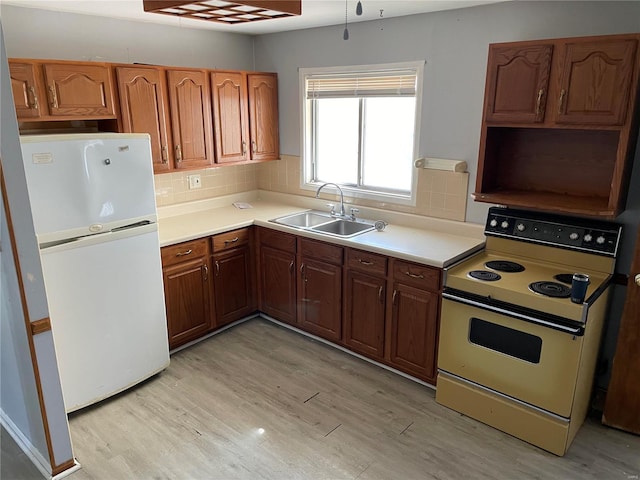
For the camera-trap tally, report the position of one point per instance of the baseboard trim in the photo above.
(25, 445)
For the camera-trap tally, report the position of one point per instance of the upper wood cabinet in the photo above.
(58, 90)
(595, 82)
(190, 106)
(26, 94)
(245, 109)
(144, 108)
(80, 89)
(558, 133)
(263, 115)
(517, 83)
(230, 111)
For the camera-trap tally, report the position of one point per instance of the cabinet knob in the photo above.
(637, 279)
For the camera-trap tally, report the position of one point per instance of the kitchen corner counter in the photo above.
(433, 247)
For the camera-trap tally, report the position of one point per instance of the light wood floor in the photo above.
(261, 402)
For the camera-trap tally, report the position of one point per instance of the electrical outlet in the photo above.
(194, 181)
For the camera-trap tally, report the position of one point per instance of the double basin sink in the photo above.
(322, 222)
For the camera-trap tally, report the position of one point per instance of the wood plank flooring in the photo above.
(261, 402)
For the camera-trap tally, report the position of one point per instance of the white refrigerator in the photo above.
(94, 212)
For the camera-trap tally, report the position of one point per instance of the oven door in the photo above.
(527, 359)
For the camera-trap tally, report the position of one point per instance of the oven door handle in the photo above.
(579, 331)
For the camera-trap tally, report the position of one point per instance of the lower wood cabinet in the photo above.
(233, 276)
(365, 303)
(320, 288)
(277, 275)
(380, 307)
(187, 290)
(413, 321)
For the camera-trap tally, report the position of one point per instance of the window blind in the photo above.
(389, 83)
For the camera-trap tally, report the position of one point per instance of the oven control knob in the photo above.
(573, 236)
(493, 222)
(521, 227)
(600, 240)
(504, 224)
(588, 237)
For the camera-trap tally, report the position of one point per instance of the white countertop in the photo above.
(439, 246)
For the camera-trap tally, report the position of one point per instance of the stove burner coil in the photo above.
(550, 289)
(484, 275)
(504, 266)
(564, 278)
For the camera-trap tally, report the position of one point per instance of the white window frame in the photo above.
(306, 171)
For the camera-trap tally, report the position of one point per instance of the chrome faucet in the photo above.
(342, 212)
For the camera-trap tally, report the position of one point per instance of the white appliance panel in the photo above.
(85, 184)
(108, 318)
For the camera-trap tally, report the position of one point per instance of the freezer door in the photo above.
(81, 185)
(106, 304)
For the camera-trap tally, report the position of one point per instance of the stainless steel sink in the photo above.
(343, 228)
(322, 222)
(307, 219)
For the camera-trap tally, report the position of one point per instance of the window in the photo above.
(361, 129)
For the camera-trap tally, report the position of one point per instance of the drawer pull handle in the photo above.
(291, 266)
(380, 294)
(54, 96)
(217, 268)
(34, 98)
(244, 148)
(365, 262)
(413, 275)
(165, 156)
(561, 101)
(233, 240)
(205, 271)
(395, 293)
(539, 100)
(178, 153)
(254, 146)
(182, 254)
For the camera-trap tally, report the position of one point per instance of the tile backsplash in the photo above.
(441, 194)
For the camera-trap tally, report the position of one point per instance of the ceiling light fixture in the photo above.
(230, 12)
(359, 8)
(345, 34)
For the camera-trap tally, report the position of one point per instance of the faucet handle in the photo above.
(332, 206)
(353, 213)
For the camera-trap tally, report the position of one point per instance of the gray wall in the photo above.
(18, 394)
(454, 45)
(34, 33)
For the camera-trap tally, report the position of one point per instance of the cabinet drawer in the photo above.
(320, 251)
(366, 262)
(419, 276)
(228, 240)
(277, 240)
(184, 251)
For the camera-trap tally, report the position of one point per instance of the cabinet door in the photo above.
(233, 285)
(595, 82)
(25, 90)
(190, 106)
(414, 331)
(517, 81)
(278, 284)
(263, 116)
(320, 298)
(79, 90)
(364, 317)
(186, 290)
(229, 90)
(144, 106)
